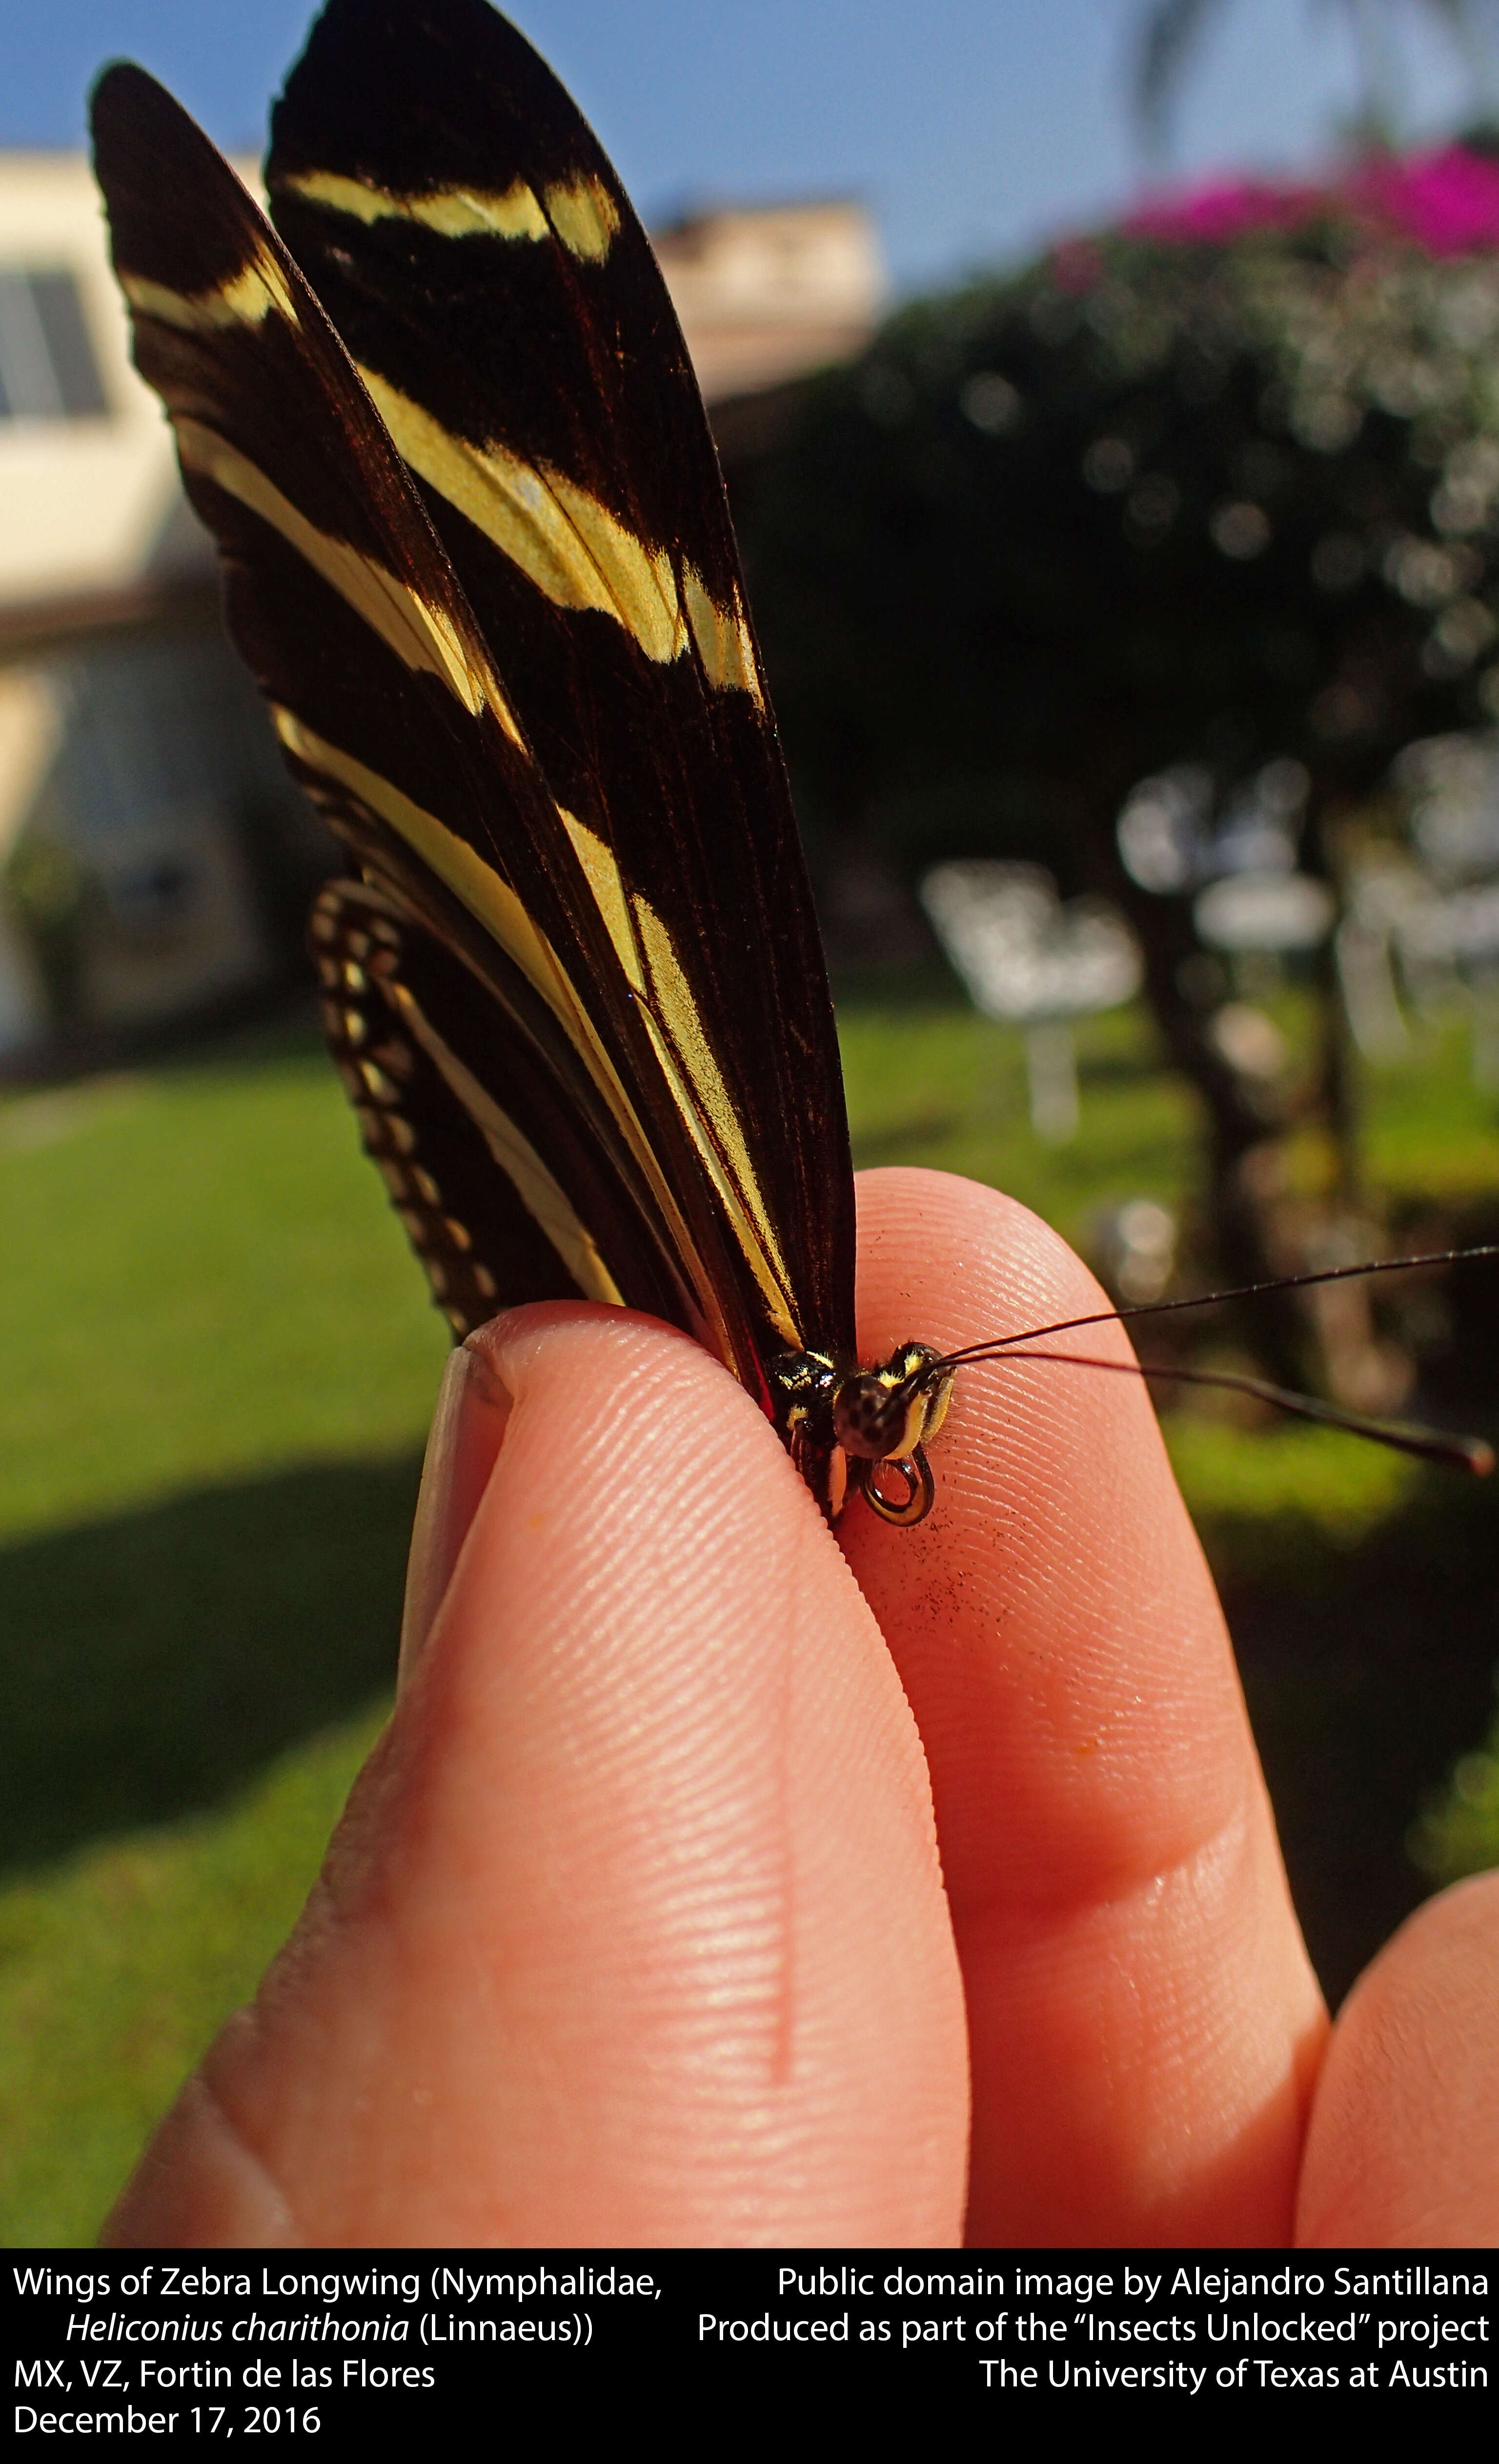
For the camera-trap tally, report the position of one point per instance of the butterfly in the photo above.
(439, 417)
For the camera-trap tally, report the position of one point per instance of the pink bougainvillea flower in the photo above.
(1447, 201)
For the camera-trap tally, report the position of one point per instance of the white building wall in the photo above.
(83, 501)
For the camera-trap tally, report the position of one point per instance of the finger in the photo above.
(1403, 2150)
(634, 1930)
(1144, 2021)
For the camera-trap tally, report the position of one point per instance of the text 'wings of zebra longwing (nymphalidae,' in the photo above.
(441, 421)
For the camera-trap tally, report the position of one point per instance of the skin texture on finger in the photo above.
(634, 1930)
(1144, 2025)
(1403, 2150)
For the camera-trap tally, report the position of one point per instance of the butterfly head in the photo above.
(863, 1429)
(883, 1415)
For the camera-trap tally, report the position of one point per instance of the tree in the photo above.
(1218, 489)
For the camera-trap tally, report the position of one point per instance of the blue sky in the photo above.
(972, 127)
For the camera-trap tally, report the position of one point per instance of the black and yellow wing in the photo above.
(479, 557)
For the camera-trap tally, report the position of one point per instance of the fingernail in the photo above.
(468, 1426)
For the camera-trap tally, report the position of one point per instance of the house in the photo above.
(143, 810)
(155, 859)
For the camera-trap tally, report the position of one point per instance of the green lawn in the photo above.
(218, 1363)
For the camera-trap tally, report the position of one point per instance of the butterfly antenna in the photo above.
(1431, 1445)
(999, 1345)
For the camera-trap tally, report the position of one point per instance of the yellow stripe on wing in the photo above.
(687, 1062)
(581, 211)
(423, 635)
(722, 636)
(476, 885)
(571, 547)
(456, 214)
(584, 215)
(541, 1195)
(258, 290)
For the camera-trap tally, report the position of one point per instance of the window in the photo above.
(47, 365)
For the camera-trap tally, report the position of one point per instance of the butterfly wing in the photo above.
(604, 950)
(482, 1206)
(479, 260)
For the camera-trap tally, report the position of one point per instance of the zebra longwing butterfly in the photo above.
(442, 423)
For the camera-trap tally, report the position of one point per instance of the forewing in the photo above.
(393, 712)
(477, 253)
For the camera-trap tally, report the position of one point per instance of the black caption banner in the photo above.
(239, 2345)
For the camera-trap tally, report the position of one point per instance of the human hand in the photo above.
(634, 1931)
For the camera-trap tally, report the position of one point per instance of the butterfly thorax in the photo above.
(842, 1423)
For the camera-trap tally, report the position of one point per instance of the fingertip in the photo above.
(1403, 2147)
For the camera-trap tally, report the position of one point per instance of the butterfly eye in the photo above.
(869, 1416)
